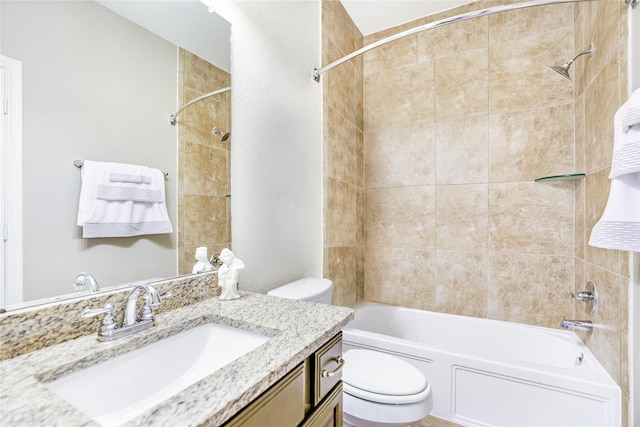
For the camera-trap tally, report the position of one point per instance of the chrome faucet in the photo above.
(152, 302)
(215, 261)
(131, 324)
(83, 279)
(580, 325)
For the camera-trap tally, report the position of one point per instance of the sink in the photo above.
(116, 391)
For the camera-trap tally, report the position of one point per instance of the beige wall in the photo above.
(600, 88)
(343, 167)
(95, 86)
(457, 124)
(203, 161)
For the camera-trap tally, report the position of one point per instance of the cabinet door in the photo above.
(329, 413)
(328, 365)
(282, 405)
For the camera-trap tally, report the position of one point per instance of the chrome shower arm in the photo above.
(174, 116)
(584, 52)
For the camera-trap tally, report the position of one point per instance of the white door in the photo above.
(11, 181)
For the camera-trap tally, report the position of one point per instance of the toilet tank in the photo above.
(316, 289)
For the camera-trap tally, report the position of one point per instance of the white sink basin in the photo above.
(116, 391)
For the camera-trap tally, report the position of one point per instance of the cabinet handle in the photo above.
(341, 363)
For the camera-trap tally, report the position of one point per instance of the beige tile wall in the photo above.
(458, 122)
(203, 161)
(601, 87)
(343, 165)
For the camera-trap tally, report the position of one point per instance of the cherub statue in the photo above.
(203, 263)
(228, 275)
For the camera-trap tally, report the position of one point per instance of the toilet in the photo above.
(314, 289)
(397, 395)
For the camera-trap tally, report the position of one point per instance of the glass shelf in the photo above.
(565, 177)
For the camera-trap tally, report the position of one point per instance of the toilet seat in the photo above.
(382, 378)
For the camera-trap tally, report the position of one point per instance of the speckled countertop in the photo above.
(296, 329)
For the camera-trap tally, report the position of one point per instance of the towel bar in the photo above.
(79, 163)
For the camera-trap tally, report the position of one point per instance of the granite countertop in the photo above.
(296, 329)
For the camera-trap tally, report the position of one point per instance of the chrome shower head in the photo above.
(225, 135)
(563, 70)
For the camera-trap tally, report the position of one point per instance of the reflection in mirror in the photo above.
(97, 86)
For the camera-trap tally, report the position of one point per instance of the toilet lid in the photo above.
(382, 374)
(302, 289)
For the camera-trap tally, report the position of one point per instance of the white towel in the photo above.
(124, 177)
(632, 114)
(619, 227)
(125, 209)
(626, 140)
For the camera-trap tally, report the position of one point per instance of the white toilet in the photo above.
(380, 390)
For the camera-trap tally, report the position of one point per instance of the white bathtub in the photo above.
(492, 373)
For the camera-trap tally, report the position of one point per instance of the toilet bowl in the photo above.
(380, 390)
(383, 390)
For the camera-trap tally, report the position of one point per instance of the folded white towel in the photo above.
(626, 158)
(126, 209)
(619, 227)
(124, 177)
(626, 141)
(121, 193)
(632, 114)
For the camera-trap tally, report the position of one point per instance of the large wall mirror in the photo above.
(99, 82)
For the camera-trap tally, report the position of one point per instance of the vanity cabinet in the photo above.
(310, 395)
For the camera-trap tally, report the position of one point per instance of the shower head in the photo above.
(563, 70)
(225, 135)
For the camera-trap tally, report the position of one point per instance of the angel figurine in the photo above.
(228, 275)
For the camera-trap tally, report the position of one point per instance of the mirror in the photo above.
(99, 82)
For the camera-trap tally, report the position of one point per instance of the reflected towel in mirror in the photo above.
(124, 209)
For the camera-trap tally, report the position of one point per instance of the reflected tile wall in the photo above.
(203, 162)
(343, 159)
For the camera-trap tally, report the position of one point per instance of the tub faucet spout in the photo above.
(580, 325)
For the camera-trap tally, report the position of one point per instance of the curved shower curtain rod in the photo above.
(174, 116)
(317, 72)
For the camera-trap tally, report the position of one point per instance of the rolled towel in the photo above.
(125, 177)
(116, 193)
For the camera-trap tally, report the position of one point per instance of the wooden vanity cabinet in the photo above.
(304, 397)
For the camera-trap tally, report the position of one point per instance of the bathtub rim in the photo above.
(591, 371)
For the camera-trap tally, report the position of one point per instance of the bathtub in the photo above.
(492, 373)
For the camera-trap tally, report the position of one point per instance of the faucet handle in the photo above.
(108, 322)
(147, 309)
(589, 296)
(215, 261)
(91, 312)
